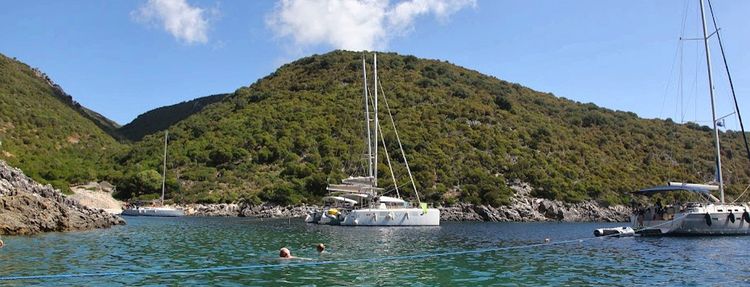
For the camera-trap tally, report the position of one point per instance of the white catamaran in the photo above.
(161, 210)
(711, 216)
(358, 200)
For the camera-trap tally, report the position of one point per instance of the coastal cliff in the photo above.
(27, 207)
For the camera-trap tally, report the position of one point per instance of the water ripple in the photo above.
(181, 243)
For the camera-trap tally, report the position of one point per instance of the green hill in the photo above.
(159, 119)
(46, 133)
(467, 137)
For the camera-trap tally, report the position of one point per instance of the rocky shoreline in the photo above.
(27, 207)
(523, 208)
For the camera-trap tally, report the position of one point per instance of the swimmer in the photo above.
(285, 253)
(320, 247)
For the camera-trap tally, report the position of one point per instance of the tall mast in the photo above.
(367, 120)
(713, 104)
(375, 156)
(164, 168)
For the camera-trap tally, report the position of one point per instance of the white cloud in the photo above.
(354, 24)
(186, 23)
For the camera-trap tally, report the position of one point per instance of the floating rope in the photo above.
(303, 264)
(282, 265)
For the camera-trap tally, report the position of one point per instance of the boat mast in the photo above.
(713, 104)
(367, 120)
(164, 168)
(375, 156)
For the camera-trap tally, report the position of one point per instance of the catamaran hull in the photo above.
(323, 217)
(695, 224)
(313, 217)
(393, 217)
(153, 212)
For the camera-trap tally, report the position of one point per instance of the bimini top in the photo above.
(670, 188)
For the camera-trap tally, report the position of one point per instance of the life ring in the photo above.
(746, 217)
(731, 216)
(708, 219)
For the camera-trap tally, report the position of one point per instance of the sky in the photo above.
(123, 58)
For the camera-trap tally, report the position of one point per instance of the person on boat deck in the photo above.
(320, 247)
(285, 253)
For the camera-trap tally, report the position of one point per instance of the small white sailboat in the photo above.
(361, 200)
(162, 211)
(708, 216)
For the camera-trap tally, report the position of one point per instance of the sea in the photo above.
(214, 251)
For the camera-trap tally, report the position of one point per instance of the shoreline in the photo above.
(523, 208)
(462, 212)
(27, 207)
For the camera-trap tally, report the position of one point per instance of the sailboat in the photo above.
(711, 215)
(357, 200)
(160, 210)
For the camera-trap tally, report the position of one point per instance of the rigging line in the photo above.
(669, 79)
(681, 83)
(678, 52)
(743, 193)
(391, 190)
(698, 50)
(388, 160)
(398, 139)
(729, 78)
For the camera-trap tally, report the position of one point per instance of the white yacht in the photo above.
(709, 215)
(161, 210)
(364, 202)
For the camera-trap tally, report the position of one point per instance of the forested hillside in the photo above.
(49, 136)
(159, 119)
(467, 137)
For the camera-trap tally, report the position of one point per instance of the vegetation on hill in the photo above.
(49, 136)
(161, 118)
(467, 137)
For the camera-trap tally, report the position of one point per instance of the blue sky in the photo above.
(122, 58)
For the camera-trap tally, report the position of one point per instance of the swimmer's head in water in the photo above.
(320, 247)
(285, 253)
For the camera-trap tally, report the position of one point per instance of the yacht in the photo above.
(364, 203)
(161, 210)
(707, 215)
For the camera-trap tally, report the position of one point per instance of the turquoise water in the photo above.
(179, 243)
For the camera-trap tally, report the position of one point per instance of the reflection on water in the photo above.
(180, 243)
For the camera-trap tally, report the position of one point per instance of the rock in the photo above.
(525, 208)
(27, 207)
(97, 195)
